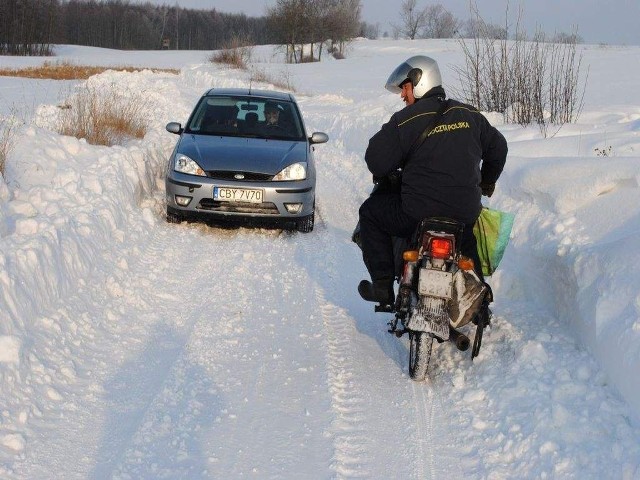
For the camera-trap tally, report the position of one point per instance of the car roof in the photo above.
(251, 92)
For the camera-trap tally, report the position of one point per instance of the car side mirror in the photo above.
(318, 137)
(174, 127)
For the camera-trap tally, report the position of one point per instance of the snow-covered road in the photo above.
(135, 349)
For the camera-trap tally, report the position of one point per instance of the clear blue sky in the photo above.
(612, 22)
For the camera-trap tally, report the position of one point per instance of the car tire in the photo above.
(306, 224)
(173, 217)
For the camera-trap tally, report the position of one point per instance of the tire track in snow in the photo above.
(349, 425)
(432, 416)
(437, 460)
(424, 417)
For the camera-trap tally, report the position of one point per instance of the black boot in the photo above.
(380, 291)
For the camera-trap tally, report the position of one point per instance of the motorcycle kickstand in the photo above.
(477, 341)
(483, 321)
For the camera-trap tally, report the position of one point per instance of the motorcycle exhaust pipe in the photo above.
(460, 340)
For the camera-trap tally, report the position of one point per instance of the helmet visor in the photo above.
(398, 77)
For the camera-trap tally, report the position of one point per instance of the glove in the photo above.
(487, 188)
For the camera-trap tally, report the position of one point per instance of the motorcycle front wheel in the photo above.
(420, 344)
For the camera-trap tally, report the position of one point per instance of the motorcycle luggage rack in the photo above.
(441, 224)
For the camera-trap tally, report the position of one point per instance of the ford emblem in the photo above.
(238, 176)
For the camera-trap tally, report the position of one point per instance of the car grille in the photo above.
(211, 205)
(248, 176)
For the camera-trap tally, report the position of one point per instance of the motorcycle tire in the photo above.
(420, 344)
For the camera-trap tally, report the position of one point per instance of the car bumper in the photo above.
(275, 198)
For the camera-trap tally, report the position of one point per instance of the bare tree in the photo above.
(477, 28)
(343, 25)
(301, 23)
(439, 23)
(412, 19)
(286, 20)
(370, 31)
(318, 24)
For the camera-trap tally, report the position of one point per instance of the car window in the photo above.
(215, 116)
(247, 117)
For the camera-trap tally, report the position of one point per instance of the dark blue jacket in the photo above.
(441, 177)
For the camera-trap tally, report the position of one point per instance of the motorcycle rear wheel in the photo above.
(420, 344)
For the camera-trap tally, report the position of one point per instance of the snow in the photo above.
(131, 348)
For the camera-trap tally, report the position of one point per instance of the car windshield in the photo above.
(244, 116)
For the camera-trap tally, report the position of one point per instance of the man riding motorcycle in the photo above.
(449, 155)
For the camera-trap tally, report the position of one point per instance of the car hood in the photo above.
(242, 154)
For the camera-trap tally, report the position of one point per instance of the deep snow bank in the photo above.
(575, 252)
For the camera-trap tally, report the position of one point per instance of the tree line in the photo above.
(32, 27)
(435, 21)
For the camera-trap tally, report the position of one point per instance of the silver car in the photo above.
(243, 156)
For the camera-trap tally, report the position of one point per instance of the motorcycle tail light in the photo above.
(440, 248)
(410, 256)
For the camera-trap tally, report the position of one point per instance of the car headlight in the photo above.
(296, 171)
(184, 164)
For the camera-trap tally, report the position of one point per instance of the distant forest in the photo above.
(31, 27)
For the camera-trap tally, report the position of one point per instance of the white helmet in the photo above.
(421, 71)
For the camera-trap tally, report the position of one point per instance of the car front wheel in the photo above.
(173, 217)
(305, 225)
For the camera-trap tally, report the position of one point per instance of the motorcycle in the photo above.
(439, 292)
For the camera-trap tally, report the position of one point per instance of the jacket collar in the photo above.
(435, 92)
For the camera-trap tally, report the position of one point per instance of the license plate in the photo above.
(226, 194)
(435, 283)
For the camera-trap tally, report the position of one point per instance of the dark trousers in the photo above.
(381, 218)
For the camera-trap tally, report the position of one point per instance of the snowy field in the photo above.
(135, 349)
